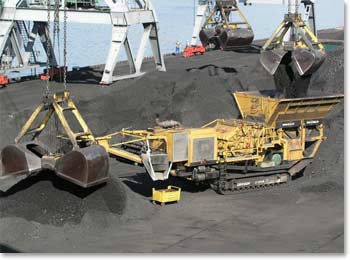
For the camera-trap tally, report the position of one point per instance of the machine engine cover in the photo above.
(203, 149)
(180, 147)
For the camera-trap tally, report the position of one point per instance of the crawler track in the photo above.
(242, 185)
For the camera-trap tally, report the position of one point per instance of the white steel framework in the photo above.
(16, 40)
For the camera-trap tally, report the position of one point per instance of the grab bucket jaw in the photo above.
(17, 163)
(85, 167)
(226, 39)
(306, 61)
(271, 59)
(208, 36)
(237, 38)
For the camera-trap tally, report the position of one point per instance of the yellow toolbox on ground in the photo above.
(171, 194)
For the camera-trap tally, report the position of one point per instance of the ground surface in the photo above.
(45, 214)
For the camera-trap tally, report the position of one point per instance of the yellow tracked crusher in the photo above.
(276, 139)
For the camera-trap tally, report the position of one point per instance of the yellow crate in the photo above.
(171, 194)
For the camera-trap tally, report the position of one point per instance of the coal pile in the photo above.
(193, 92)
(185, 100)
(329, 78)
(48, 199)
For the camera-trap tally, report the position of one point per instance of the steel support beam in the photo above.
(121, 15)
(122, 18)
(199, 21)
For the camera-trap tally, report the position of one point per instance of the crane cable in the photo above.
(56, 32)
(65, 45)
(48, 46)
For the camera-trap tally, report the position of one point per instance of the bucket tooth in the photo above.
(17, 163)
(85, 167)
(307, 61)
(271, 59)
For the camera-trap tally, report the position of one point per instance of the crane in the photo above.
(23, 23)
(73, 155)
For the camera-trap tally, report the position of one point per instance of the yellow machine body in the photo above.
(274, 136)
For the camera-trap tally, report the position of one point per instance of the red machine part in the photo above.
(190, 51)
(53, 72)
(4, 80)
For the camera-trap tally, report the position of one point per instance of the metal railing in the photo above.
(77, 4)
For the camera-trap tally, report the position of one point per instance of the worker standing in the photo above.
(177, 47)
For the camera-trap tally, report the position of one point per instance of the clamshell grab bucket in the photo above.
(304, 60)
(85, 167)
